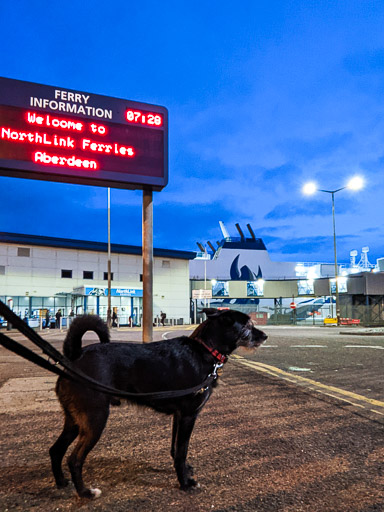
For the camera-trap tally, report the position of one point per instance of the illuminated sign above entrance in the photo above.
(115, 292)
(50, 133)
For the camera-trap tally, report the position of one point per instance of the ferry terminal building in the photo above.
(40, 273)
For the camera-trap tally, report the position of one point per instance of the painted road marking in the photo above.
(309, 346)
(341, 394)
(364, 346)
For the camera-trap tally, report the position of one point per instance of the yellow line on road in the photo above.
(318, 386)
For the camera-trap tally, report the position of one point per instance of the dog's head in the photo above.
(231, 329)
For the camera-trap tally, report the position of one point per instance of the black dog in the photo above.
(175, 364)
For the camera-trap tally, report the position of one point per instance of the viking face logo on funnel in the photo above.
(245, 273)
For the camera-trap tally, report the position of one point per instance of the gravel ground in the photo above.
(260, 444)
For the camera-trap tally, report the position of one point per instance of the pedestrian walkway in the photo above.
(261, 444)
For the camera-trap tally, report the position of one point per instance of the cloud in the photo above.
(309, 208)
(311, 248)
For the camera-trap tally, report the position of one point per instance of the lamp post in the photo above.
(355, 183)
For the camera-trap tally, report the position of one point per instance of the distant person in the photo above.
(114, 319)
(163, 316)
(72, 313)
(58, 317)
(47, 319)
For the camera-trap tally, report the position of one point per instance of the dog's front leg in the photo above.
(184, 425)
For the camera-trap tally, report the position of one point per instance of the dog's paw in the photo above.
(190, 486)
(90, 493)
(62, 484)
(95, 492)
(189, 469)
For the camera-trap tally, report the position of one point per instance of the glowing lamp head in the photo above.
(355, 183)
(309, 188)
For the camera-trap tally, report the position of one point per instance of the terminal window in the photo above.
(87, 274)
(24, 252)
(106, 276)
(66, 273)
(255, 288)
(305, 287)
(220, 289)
(2, 270)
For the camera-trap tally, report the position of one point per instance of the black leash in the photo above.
(71, 372)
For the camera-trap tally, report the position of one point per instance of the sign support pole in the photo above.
(109, 312)
(147, 266)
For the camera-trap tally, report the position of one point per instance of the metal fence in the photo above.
(363, 310)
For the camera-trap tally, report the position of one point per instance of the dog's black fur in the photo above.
(178, 363)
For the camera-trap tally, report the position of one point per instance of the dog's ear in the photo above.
(211, 312)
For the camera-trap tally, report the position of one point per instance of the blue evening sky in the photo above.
(262, 97)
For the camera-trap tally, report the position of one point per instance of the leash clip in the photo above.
(217, 370)
(216, 373)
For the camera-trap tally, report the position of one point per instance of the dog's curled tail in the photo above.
(79, 326)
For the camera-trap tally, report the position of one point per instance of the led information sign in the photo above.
(55, 134)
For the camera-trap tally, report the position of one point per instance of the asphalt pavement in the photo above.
(290, 428)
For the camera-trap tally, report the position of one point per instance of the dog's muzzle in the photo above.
(251, 337)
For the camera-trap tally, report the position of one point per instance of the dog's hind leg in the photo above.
(90, 431)
(175, 426)
(58, 449)
(185, 426)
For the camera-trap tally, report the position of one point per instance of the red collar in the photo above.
(216, 354)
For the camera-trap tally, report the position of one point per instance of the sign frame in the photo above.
(145, 170)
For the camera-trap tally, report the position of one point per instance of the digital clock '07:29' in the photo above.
(146, 118)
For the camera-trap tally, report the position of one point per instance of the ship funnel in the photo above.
(202, 249)
(211, 247)
(251, 231)
(223, 229)
(240, 231)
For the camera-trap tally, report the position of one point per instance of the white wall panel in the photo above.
(40, 275)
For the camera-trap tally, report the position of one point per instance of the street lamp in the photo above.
(355, 183)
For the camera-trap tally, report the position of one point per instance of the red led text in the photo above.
(147, 118)
(72, 161)
(98, 128)
(55, 122)
(37, 138)
(115, 149)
